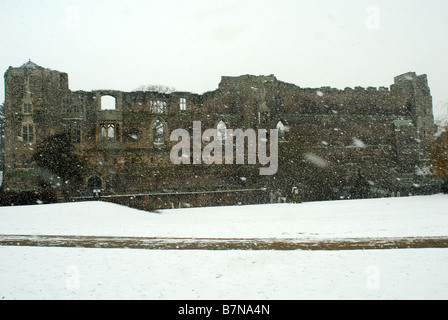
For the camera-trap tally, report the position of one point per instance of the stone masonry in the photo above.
(334, 143)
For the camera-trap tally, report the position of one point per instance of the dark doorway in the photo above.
(95, 186)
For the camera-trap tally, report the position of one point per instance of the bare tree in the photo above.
(156, 88)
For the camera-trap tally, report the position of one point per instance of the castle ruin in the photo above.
(334, 144)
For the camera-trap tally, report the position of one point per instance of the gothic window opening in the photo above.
(158, 133)
(183, 104)
(28, 133)
(109, 132)
(27, 108)
(158, 107)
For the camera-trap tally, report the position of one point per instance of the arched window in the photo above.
(108, 103)
(158, 133)
(109, 131)
(222, 131)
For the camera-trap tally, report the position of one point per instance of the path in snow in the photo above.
(223, 244)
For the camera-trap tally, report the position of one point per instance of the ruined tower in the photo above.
(33, 98)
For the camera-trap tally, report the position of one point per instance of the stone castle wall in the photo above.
(336, 139)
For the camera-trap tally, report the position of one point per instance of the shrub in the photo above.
(25, 198)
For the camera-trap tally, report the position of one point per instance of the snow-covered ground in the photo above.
(61, 273)
(81, 273)
(390, 217)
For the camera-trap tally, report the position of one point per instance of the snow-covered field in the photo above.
(81, 273)
(390, 217)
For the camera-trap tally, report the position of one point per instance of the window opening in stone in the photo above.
(110, 132)
(183, 104)
(27, 108)
(75, 133)
(158, 107)
(103, 133)
(28, 133)
(108, 103)
(158, 133)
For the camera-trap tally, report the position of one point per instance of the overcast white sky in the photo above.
(190, 44)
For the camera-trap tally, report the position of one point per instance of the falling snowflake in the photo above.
(316, 160)
(358, 143)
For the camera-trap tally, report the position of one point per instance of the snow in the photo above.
(86, 273)
(389, 217)
(316, 160)
(60, 273)
(358, 143)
